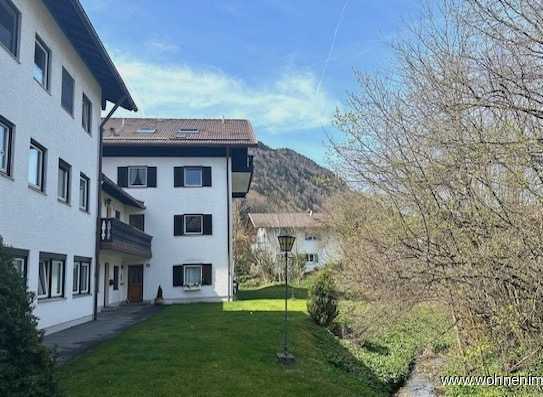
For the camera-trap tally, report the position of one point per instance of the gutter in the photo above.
(99, 208)
(228, 216)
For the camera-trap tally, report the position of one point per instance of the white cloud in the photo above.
(291, 102)
(161, 46)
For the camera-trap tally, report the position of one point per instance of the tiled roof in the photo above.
(118, 192)
(287, 220)
(180, 132)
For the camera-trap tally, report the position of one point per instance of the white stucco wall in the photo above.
(29, 219)
(165, 201)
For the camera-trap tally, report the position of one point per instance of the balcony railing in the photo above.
(119, 236)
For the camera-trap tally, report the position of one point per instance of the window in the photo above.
(115, 278)
(193, 275)
(36, 166)
(137, 176)
(81, 280)
(311, 258)
(9, 26)
(19, 259)
(193, 177)
(311, 236)
(86, 114)
(137, 220)
(64, 171)
(67, 96)
(51, 277)
(41, 63)
(83, 192)
(117, 214)
(193, 224)
(6, 143)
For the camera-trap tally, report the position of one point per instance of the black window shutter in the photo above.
(138, 221)
(178, 276)
(178, 176)
(206, 176)
(178, 225)
(207, 275)
(122, 176)
(151, 176)
(208, 225)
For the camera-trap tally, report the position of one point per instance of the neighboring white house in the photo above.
(187, 171)
(55, 78)
(313, 239)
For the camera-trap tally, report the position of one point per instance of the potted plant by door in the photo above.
(159, 300)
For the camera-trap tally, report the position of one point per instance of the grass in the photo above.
(220, 350)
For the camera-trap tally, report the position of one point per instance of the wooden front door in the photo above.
(135, 283)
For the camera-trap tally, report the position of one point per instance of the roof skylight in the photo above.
(183, 133)
(146, 130)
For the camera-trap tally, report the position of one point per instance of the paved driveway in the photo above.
(74, 341)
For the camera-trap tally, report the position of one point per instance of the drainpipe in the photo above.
(228, 243)
(99, 208)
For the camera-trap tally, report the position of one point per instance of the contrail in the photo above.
(332, 46)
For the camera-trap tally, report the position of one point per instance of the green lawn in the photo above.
(219, 350)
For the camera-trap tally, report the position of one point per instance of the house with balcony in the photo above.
(56, 78)
(187, 172)
(317, 243)
(125, 248)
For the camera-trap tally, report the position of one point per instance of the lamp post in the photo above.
(285, 243)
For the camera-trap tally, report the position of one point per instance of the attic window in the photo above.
(184, 133)
(146, 130)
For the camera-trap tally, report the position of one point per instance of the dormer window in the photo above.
(146, 130)
(184, 133)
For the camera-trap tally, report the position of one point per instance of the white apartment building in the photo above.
(55, 78)
(314, 240)
(186, 172)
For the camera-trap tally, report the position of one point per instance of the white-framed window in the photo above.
(193, 176)
(86, 114)
(312, 258)
(36, 166)
(83, 192)
(193, 275)
(64, 170)
(81, 277)
(9, 26)
(19, 264)
(42, 55)
(51, 278)
(137, 176)
(6, 143)
(193, 224)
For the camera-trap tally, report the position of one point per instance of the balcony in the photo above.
(242, 175)
(121, 237)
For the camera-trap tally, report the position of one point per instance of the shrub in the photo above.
(322, 303)
(26, 367)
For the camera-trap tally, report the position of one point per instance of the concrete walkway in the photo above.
(73, 341)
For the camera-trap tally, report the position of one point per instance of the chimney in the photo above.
(310, 212)
(223, 119)
(122, 122)
(113, 131)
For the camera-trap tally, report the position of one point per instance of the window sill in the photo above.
(6, 175)
(36, 189)
(85, 211)
(195, 288)
(77, 296)
(68, 112)
(53, 299)
(67, 203)
(42, 87)
(11, 54)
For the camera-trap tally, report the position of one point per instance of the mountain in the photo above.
(285, 180)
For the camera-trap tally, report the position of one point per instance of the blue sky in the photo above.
(274, 62)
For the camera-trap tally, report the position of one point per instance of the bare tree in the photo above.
(448, 150)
